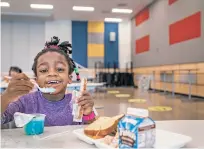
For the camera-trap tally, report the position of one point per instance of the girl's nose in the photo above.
(52, 72)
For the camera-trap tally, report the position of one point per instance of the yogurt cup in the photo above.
(36, 125)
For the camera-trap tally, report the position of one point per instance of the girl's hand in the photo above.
(86, 102)
(19, 85)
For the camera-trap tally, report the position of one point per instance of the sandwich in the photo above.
(103, 126)
(78, 110)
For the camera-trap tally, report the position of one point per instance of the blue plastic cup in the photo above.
(36, 125)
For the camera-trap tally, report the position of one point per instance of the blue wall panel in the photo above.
(111, 48)
(79, 42)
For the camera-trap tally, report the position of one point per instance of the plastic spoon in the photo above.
(45, 89)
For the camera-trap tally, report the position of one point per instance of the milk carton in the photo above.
(136, 129)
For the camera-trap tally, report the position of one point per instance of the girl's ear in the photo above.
(70, 79)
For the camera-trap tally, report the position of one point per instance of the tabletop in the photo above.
(70, 87)
(89, 84)
(62, 136)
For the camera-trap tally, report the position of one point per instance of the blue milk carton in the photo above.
(136, 129)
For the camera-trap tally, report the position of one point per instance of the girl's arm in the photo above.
(9, 108)
(4, 103)
(18, 86)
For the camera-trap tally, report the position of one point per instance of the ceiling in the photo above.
(63, 9)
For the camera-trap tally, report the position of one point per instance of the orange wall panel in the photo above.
(142, 16)
(185, 29)
(142, 44)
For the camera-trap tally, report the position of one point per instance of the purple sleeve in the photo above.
(13, 107)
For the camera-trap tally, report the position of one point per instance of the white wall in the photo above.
(124, 44)
(21, 41)
(62, 29)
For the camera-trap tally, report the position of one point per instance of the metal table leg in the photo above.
(189, 84)
(173, 92)
(153, 81)
(164, 83)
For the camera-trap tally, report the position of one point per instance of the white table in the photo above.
(70, 87)
(62, 137)
(5, 85)
(90, 86)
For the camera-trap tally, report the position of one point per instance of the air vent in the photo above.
(122, 5)
(105, 11)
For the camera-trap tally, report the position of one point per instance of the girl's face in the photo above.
(53, 71)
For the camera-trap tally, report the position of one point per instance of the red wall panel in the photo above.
(142, 16)
(142, 44)
(172, 1)
(185, 29)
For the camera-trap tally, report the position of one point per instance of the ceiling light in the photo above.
(81, 8)
(116, 10)
(113, 20)
(41, 6)
(4, 4)
(27, 14)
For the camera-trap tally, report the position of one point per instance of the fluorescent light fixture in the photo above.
(4, 4)
(82, 8)
(113, 20)
(41, 6)
(116, 10)
(27, 14)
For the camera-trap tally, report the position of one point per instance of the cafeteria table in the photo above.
(70, 87)
(62, 136)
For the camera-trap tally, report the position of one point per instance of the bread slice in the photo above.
(96, 137)
(102, 126)
(118, 117)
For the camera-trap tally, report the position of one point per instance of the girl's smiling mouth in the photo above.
(53, 83)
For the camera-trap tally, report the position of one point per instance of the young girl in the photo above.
(53, 68)
(12, 72)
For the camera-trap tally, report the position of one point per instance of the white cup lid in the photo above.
(21, 119)
(138, 112)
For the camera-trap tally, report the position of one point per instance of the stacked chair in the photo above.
(114, 78)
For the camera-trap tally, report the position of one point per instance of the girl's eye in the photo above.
(60, 69)
(43, 70)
